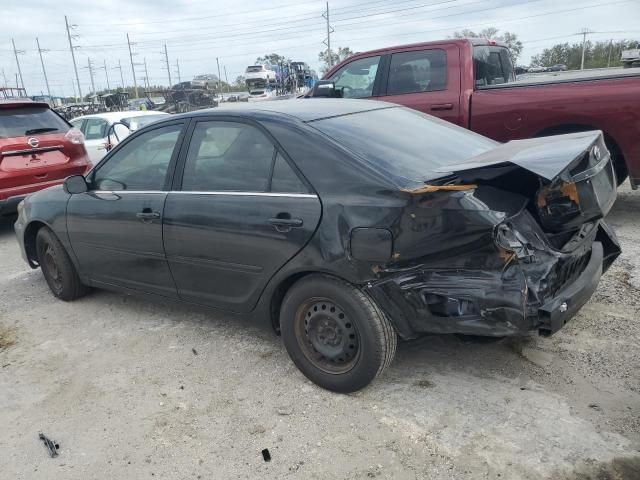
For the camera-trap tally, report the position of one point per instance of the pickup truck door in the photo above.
(427, 80)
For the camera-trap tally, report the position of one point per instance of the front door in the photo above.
(419, 79)
(95, 138)
(115, 228)
(240, 213)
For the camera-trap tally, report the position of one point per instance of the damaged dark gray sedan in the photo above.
(343, 223)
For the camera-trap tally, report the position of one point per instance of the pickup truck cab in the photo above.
(471, 82)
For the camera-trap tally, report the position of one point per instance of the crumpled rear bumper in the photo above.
(511, 302)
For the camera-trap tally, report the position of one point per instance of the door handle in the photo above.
(147, 216)
(286, 222)
(442, 106)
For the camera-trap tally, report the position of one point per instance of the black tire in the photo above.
(57, 268)
(335, 334)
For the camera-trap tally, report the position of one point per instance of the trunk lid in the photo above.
(576, 183)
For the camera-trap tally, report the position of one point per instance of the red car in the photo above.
(38, 149)
(471, 83)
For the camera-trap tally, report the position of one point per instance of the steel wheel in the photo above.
(326, 335)
(51, 269)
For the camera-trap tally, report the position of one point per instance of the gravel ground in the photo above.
(134, 389)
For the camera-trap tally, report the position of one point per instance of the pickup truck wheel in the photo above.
(57, 268)
(335, 334)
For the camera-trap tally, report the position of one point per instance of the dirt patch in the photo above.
(620, 468)
(7, 337)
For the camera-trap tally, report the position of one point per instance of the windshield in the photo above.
(22, 121)
(492, 65)
(254, 68)
(406, 144)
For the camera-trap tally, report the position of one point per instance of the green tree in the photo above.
(508, 38)
(337, 56)
(273, 59)
(596, 54)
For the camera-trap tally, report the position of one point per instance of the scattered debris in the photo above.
(595, 406)
(423, 384)
(181, 387)
(284, 410)
(51, 446)
(266, 455)
(195, 352)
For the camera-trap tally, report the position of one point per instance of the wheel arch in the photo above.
(612, 144)
(29, 239)
(283, 286)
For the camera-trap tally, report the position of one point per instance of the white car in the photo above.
(95, 128)
(259, 75)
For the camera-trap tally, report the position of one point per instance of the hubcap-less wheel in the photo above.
(326, 335)
(51, 268)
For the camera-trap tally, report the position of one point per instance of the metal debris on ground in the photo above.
(51, 446)
(266, 455)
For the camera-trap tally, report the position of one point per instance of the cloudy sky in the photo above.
(198, 31)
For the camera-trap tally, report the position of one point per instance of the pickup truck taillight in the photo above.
(75, 136)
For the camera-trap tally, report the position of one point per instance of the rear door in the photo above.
(422, 79)
(239, 212)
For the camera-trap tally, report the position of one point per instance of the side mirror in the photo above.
(326, 88)
(75, 184)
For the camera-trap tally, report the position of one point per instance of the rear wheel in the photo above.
(57, 268)
(335, 334)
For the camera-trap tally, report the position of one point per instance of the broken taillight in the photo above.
(75, 136)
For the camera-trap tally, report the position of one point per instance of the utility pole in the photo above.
(73, 55)
(119, 67)
(584, 33)
(4, 76)
(178, 67)
(16, 52)
(133, 70)
(146, 74)
(166, 59)
(219, 76)
(328, 42)
(74, 90)
(90, 67)
(610, 47)
(106, 72)
(225, 78)
(44, 71)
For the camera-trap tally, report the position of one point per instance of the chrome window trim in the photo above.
(236, 194)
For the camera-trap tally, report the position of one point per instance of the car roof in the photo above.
(116, 116)
(304, 109)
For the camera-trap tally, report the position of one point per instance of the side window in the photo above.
(420, 71)
(356, 79)
(95, 128)
(284, 179)
(141, 164)
(228, 156)
(492, 66)
(77, 124)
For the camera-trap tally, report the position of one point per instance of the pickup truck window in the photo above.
(492, 65)
(420, 71)
(356, 79)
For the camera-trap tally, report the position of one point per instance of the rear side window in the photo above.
(421, 71)
(356, 79)
(228, 156)
(284, 179)
(24, 121)
(492, 66)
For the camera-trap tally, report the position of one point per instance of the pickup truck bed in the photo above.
(470, 82)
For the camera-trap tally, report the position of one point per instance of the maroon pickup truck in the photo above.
(472, 83)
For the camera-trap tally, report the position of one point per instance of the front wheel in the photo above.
(57, 268)
(335, 334)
